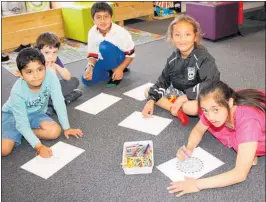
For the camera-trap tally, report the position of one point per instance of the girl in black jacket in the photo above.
(187, 70)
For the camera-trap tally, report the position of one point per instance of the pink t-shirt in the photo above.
(249, 127)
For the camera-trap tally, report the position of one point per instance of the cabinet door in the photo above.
(136, 9)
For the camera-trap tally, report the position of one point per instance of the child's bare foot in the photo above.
(255, 161)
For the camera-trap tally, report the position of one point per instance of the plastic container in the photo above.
(137, 170)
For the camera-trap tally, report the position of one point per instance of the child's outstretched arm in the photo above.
(244, 160)
(156, 92)
(159, 88)
(194, 139)
(245, 156)
(208, 71)
(119, 71)
(23, 125)
(128, 47)
(60, 107)
(19, 112)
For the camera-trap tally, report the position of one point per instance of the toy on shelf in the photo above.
(166, 9)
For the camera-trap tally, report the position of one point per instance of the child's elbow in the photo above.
(241, 176)
(67, 77)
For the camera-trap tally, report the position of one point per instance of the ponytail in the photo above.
(250, 97)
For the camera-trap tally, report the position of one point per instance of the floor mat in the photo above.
(140, 37)
(73, 51)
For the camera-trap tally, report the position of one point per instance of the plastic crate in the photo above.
(137, 170)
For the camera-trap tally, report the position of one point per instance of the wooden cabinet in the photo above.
(25, 28)
(128, 10)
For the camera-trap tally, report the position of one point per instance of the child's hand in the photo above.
(88, 74)
(189, 185)
(74, 132)
(148, 109)
(117, 74)
(183, 153)
(43, 151)
(51, 64)
(178, 104)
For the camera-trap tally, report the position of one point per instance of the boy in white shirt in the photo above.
(110, 48)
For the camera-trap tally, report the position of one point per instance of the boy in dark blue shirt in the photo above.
(48, 43)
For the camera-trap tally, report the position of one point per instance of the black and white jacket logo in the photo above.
(191, 73)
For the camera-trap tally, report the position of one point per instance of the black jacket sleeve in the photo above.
(208, 71)
(159, 88)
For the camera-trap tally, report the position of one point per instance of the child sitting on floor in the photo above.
(187, 70)
(49, 44)
(237, 119)
(24, 112)
(110, 48)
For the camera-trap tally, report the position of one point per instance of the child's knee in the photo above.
(190, 107)
(75, 81)
(54, 130)
(85, 82)
(104, 47)
(7, 147)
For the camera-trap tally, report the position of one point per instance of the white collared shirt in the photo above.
(117, 35)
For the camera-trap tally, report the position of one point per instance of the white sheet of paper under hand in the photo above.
(98, 103)
(139, 92)
(45, 167)
(201, 163)
(153, 125)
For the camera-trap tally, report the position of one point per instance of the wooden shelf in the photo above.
(26, 27)
(129, 10)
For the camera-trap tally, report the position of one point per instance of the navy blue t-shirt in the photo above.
(59, 62)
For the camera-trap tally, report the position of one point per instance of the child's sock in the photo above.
(126, 70)
(112, 84)
(180, 114)
(182, 117)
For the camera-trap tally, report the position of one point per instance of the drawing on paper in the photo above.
(191, 165)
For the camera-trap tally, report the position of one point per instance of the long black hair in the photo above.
(222, 93)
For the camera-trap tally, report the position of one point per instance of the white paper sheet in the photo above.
(210, 163)
(45, 167)
(98, 103)
(153, 125)
(139, 92)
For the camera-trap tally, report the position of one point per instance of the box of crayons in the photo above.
(138, 157)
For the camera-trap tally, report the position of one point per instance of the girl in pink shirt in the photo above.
(237, 119)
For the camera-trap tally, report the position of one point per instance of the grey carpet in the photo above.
(254, 20)
(96, 174)
(154, 26)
